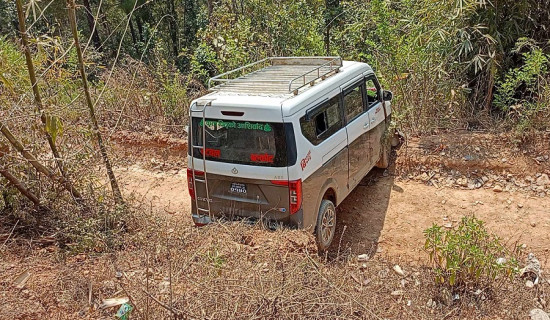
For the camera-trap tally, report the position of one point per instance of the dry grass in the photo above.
(231, 271)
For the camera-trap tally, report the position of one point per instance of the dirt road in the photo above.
(384, 215)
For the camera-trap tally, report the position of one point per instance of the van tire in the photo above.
(326, 225)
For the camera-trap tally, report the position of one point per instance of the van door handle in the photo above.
(366, 126)
(372, 120)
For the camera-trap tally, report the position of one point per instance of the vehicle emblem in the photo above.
(235, 171)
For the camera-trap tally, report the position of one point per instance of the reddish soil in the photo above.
(387, 213)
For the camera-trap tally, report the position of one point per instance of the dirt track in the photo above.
(384, 215)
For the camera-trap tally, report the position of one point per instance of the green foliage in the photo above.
(204, 62)
(54, 126)
(469, 256)
(7, 17)
(173, 97)
(215, 258)
(522, 85)
(13, 70)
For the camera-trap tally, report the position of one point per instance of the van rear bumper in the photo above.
(294, 221)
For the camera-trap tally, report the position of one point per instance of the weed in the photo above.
(215, 258)
(469, 256)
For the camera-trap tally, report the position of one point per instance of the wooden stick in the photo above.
(34, 84)
(114, 184)
(20, 186)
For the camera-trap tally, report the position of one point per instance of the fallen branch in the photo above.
(11, 232)
(20, 186)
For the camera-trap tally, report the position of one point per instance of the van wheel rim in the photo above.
(327, 224)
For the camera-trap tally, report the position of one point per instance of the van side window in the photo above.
(326, 121)
(353, 101)
(372, 91)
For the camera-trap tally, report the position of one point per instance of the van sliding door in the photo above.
(358, 127)
(376, 118)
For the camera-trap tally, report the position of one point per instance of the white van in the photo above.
(285, 140)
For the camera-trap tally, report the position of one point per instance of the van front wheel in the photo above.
(326, 225)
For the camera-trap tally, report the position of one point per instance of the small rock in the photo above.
(478, 292)
(543, 180)
(497, 189)
(363, 257)
(448, 225)
(501, 260)
(444, 201)
(533, 224)
(398, 270)
(446, 297)
(477, 149)
(520, 205)
(397, 293)
(383, 273)
(431, 304)
(538, 314)
(529, 284)
(504, 160)
(462, 182)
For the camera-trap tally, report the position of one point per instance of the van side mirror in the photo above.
(387, 95)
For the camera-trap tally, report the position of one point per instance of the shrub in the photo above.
(469, 256)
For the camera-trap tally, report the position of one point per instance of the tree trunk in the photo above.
(174, 27)
(140, 28)
(327, 40)
(114, 184)
(210, 4)
(92, 24)
(133, 32)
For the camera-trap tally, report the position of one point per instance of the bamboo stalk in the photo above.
(20, 186)
(37, 165)
(114, 184)
(34, 84)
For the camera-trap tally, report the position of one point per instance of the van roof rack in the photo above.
(276, 75)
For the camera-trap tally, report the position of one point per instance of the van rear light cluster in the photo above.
(294, 193)
(190, 184)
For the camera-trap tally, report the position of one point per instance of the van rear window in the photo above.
(242, 142)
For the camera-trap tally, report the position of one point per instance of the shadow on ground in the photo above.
(362, 214)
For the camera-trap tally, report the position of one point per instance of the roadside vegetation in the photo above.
(452, 64)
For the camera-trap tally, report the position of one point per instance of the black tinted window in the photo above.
(242, 142)
(353, 102)
(323, 122)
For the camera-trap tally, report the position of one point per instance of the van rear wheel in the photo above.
(326, 225)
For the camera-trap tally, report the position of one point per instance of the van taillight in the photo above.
(294, 193)
(190, 184)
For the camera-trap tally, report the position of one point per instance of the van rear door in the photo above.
(246, 162)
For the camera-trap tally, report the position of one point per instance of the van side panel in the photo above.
(332, 174)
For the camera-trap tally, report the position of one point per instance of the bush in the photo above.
(469, 256)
